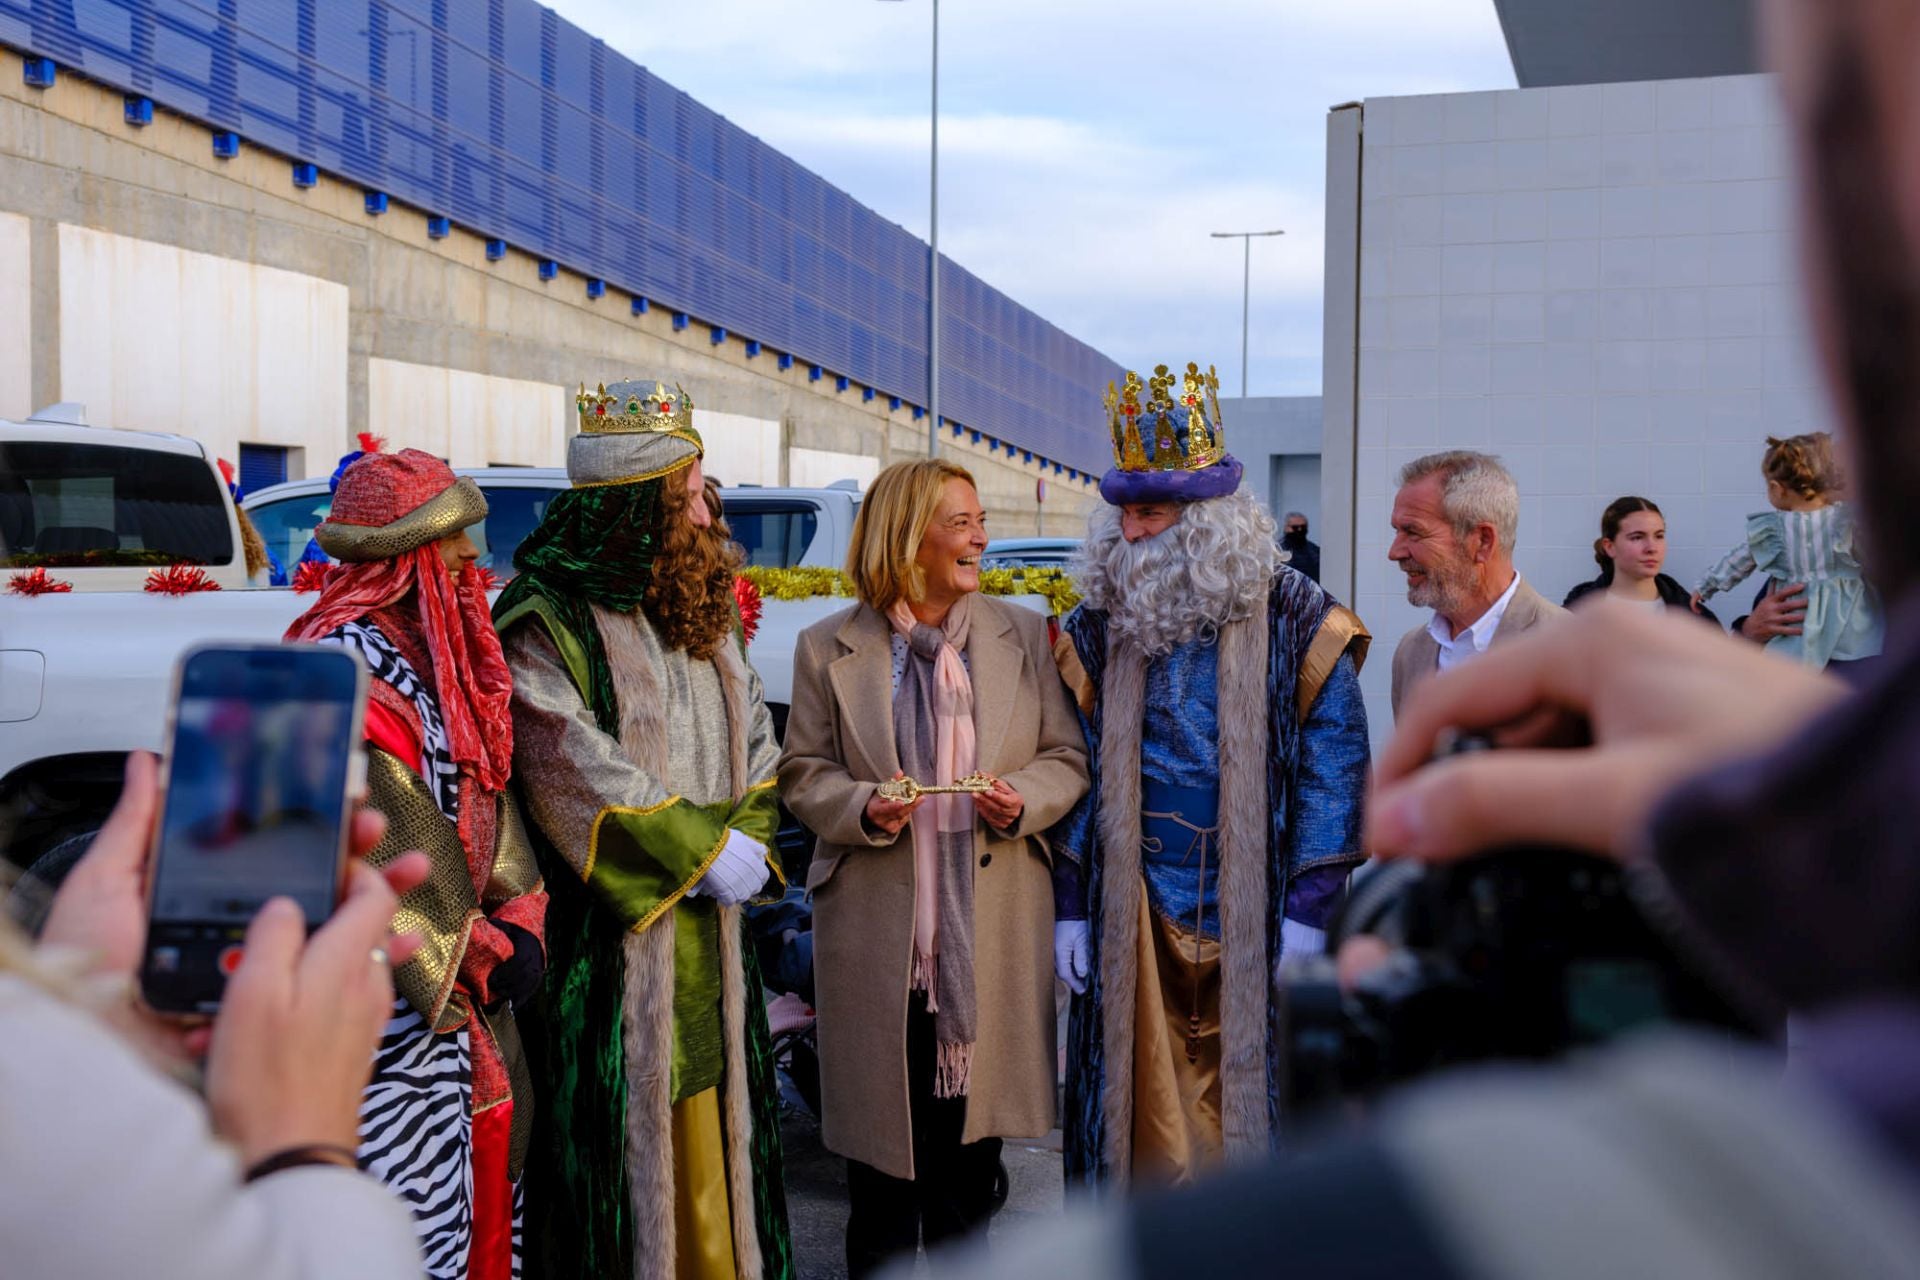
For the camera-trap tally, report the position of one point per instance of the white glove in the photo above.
(1297, 942)
(736, 874)
(1070, 954)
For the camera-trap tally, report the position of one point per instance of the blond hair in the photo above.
(1803, 464)
(886, 534)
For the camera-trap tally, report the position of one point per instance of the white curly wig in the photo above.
(1214, 566)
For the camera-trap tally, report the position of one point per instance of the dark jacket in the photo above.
(1304, 555)
(1671, 592)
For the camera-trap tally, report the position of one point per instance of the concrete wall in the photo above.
(72, 172)
(1597, 284)
(1277, 439)
(157, 338)
(16, 316)
(470, 419)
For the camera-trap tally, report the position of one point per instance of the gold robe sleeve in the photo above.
(443, 909)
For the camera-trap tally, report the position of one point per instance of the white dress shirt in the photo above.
(1473, 641)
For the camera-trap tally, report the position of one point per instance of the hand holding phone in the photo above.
(293, 1046)
(294, 1043)
(101, 909)
(263, 762)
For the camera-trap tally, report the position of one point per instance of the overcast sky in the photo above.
(1086, 148)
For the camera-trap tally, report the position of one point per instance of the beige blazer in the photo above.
(1418, 654)
(839, 746)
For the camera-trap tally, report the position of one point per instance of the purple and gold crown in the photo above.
(1188, 460)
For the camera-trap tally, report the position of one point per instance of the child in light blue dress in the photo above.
(1807, 538)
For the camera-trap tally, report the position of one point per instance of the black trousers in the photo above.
(952, 1196)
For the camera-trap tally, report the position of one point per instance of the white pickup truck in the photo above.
(84, 674)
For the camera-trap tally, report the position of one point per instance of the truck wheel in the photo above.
(32, 894)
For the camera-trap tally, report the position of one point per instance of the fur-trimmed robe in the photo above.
(1272, 667)
(632, 820)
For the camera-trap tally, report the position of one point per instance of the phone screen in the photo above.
(255, 807)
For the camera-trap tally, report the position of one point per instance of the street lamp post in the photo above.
(933, 268)
(1246, 289)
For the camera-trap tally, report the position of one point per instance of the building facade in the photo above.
(427, 226)
(1595, 282)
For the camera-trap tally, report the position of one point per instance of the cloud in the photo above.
(1087, 146)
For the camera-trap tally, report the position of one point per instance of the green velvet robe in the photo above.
(621, 844)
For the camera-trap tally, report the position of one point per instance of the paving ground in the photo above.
(817, 1193)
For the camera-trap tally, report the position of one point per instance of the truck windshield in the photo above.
(776, 535)
(93, 505)
(286, 526)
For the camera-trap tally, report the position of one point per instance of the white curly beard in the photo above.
(1213, 567)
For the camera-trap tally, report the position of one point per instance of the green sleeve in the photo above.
(642, 861)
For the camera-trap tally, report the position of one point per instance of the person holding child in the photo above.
(1807, 538)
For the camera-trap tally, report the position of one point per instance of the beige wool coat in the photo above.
(839, 746)
(1418, 655)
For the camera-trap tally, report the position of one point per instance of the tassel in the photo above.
(953, 1064)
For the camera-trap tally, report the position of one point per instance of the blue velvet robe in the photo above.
(1316, 786)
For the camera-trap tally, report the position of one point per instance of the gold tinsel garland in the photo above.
(807, 583)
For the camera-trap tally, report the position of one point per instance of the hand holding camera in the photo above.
(1540, 944)
(1638, 701)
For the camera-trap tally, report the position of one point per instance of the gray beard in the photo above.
(1445, 590)
(1156, 603)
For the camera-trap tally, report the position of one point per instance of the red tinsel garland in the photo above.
(487, 579)
(35, 582)
(180, 580)
(311, 576)
(747, 596)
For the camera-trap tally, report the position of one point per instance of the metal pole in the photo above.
(1246, 290)
(933, 223)
(1246, 297)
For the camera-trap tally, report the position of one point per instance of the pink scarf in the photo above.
(933, 728)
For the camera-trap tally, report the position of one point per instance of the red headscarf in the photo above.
(469, 674)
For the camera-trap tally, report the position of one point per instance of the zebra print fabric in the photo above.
(416, 1136)
(386, 664)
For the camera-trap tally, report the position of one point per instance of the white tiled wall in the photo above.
(1596, 283)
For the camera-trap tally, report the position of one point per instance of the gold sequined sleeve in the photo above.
(444, 908)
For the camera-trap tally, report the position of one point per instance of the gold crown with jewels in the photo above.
(1205, 442)
(637, 408)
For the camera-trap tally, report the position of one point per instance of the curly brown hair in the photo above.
(1803, 464)
(690, 597)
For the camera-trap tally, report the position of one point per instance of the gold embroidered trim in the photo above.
(460, 506)
(644, 476)
(1341, 630)
(600, 820)
(666, 904)
(1073, 673)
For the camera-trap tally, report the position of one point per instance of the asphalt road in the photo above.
(817, 1193)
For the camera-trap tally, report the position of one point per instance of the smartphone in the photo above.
(264, 761)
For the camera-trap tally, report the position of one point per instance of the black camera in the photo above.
(1522, 954)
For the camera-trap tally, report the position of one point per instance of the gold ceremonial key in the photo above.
(906, 790)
